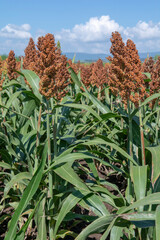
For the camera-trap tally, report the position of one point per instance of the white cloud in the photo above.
(143, 30)
(14, 31)
(96, 29)
(13, 37)
(92, 36)
(149, 45)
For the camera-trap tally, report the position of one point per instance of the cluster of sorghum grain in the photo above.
(153, 67)
(125, 77)
(148, 65)
(8, 67)
(49, 64)
(99, 74)
(11, 65)
(85, 71)
(155, 77)
(94, 74)
(51, 67)
(30, 55)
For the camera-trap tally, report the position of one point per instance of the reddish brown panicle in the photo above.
(30, 55)
(99, 74)
(11, 65)
(51, 68)
(155, 76)
(125, 77)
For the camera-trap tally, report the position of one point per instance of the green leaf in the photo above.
(147, 80)
(149, 99)
(16, 179)
(6, 165)
(21, 234)
(28, 109)
(96, 226)
(155, 151)
(63, 233)
(12, 83)
(68, 204)
(93, 169)
(99, 141)
(139, 175)
(82, 106)
(70, 158)
(9, 102)
(95, 101)
(67, 173)
(141, 219)
(149, 115)
(27, 196)
(148, 75)
(158, 223)
(33, 80)
(151, 199)
(106, 233)
(116, 233)
(41, 220)
(75, 78)
(139, 216)
(95, 204)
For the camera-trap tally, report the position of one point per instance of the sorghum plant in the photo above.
(30, 55)
(11, 65)
(51, 68)
(99, 74)
(155, 77)
(125, 77)
(148, 65)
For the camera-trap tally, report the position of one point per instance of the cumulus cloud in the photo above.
(144, 30)
(96, 29)
(14, 31)
(13, 37)
(93, 36)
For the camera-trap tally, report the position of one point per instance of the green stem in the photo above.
(99, 98)
(142, 138)
(50, 174)
(130, 149)
(38, 137)
(49, 154)
(157, 127)
(112, 107)
(54, 121)
(55, 134)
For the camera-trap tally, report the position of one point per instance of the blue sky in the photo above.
(80, 26)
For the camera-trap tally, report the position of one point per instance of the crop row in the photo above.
(79, 145)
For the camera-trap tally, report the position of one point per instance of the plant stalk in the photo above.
(130, 149)
(142, 138)
(157, 127)
(38, 137)
(49, 154)
(50, 192)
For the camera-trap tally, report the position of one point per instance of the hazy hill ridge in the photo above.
(89, 57)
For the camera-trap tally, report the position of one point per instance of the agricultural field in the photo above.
(79, 145)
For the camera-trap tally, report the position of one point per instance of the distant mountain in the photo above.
(86, 57)
(150, 54)
(92, 57)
